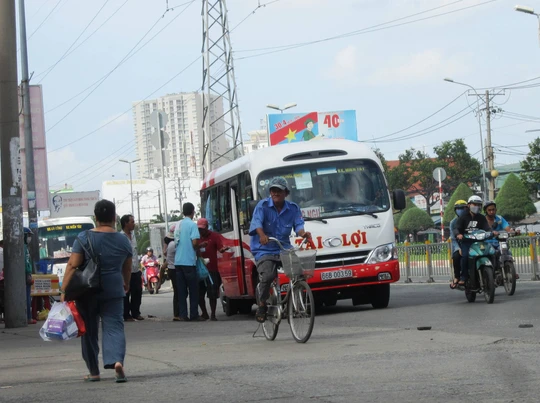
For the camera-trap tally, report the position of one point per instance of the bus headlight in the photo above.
(382, 253)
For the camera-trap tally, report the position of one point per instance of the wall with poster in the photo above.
(293, 127)
(73, 204)
(40, 151)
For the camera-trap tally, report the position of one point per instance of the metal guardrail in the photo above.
(434, 259)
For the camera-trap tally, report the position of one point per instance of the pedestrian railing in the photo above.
(433, 260)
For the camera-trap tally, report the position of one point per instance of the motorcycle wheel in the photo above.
(488, 284)
(509, 278)
(471, 295)
(150, 287)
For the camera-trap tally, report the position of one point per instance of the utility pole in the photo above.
(490, 158)
(180, 195)
(138, 211)
(14, 277)
(159, 202)
(28, 140)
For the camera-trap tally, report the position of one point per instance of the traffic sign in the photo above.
(439, 174)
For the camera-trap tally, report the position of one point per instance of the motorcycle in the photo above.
(153, 282)
(482, 260)
(505, 271)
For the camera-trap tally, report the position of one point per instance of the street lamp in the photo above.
(529, 10)
(449, 80)
(131, 181)
(277, 108)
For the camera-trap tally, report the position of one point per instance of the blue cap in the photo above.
(27, 230)
(279, 182)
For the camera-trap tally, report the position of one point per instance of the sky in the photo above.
(95, 58)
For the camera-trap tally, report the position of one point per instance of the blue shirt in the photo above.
(453, 228)
(275, 225)
(498, 225)
(113, 248)
(185, 254)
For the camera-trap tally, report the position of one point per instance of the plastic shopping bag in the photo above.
(77, 317)
(60, 324)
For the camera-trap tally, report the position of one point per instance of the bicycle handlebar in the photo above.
(304, 241)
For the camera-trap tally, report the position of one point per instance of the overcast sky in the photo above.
(392, 77)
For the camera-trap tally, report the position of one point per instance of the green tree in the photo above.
(143, 239)
(531, 166)
(174, 215)
(397, 217)
(462, 192)
(414, 220)
(459, 164)
(513, 200)
(380, 155)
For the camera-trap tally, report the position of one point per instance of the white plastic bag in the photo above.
(60, 324)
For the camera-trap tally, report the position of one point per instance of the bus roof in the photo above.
(266, 158)
(47, 222)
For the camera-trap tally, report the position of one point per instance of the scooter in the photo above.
(153, 282)
(505, 271)
(482, 261)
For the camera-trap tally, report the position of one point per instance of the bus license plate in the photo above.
(337, 274)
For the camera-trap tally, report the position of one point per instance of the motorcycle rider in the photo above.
(149, 257)
(467, 224)
(460, 208)
(496, 222)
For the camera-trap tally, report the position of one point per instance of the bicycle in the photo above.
(298, 305)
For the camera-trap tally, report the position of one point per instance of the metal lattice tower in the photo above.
(222, 135)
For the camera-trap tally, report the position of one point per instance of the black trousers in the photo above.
(172, 277)
(456, 263)
(133, 299)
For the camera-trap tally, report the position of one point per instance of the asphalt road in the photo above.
(473, 352)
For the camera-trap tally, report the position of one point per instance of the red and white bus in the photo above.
(342, 191)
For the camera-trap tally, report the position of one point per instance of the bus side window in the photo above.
(225, 208)
(211, 209)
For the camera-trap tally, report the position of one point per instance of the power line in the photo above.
(128, 110)
(39, 9)
(252, 13)
(128, 56)
(125, 58)
(46, 18)
(69, 49)
(374, 28)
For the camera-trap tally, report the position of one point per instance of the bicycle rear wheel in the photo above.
(301, 308)
(271, 325)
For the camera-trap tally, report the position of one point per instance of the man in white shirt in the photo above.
(133, 298)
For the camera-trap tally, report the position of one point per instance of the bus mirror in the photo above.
(399, 199)
(252, 205)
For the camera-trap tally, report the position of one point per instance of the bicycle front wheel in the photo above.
(301, 308)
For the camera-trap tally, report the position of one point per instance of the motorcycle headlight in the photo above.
(383, 253)
(503, 235)
(480, 236)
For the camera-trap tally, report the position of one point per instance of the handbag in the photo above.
(86, 280)
(202, 270)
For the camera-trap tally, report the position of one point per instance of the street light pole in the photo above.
(131, 183)
(277, 108)
(529, 10)
(484, 182)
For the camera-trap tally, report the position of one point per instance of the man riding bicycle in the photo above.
(273, 217)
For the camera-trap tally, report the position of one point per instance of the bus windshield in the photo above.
(332, 189)
(56, 241)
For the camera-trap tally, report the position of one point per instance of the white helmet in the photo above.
(474, 200)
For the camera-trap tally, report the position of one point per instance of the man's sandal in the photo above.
(260, 314)
(454, 284)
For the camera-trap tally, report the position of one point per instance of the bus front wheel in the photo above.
(380, 296)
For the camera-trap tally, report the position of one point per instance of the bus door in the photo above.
(238, 258)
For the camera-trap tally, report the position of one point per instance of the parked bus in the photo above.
(56, 237)
(343, 194)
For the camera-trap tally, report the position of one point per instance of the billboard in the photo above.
(73, 204)
(40, 151)
(293, 127)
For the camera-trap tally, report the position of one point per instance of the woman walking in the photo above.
(115, 255)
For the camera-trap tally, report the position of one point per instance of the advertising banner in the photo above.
(293, 127)
(73, 204)
(40, 151)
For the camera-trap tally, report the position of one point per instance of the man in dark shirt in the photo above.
(466, 224)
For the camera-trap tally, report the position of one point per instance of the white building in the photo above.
(184, 149)
(256, 140)
(148, 196)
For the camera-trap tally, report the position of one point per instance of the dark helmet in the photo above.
(149, 249)
(489, 203)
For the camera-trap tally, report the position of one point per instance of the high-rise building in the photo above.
(183, 151)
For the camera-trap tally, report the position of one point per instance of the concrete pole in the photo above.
(28, 140)
(490, 159)
(14, 277)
